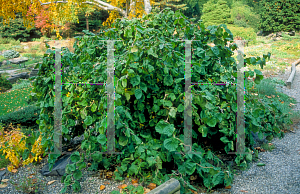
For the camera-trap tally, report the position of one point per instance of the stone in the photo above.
(271, 36)
(26, 47)
(260, 33)
(14, 78)
(2, 173)
(292, 33)
(278, 34)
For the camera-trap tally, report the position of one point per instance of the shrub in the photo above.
(27, 116)
(16, 30)
(276, 18)
(10, 54)
(244, 33)
(4, 84)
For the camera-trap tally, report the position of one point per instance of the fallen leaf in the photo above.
(5, 180)
(102, 187)
(122, 186)
(134, 181)
(152, 186)
(89, 164)
(194, 192)
(270, 144)
(228, 187)
(34, 180)
(244, 191)
(135, 184)
(146, 190)
(30, 176)
(69, 150)
(2, 169)
(3, 185)
(107, 183)
(14, 170)
(50, 182)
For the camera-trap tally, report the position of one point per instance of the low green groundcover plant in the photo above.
(150, 102)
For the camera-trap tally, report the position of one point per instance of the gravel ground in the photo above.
(281, 173)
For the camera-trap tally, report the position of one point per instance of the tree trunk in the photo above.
(87, 23)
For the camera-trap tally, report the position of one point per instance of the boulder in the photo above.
(14, 78)
(292, 33)
(278, 34)
(260, 33)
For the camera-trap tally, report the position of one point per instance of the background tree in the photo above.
(244, 16)
(279, 16)
(173, 4)
(65, 11)
(216, 13)
(42, 20)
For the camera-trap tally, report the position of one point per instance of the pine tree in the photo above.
(216, 13)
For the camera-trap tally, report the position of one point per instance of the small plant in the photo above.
(10, 54)
(4, 84)
(29, 184)
(15, 144)
(22, 83)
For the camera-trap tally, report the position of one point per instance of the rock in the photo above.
(26, 47)
(59, 166)
(292, 33)
(14, 78)
(4, 62)
(2, 173)
(270, 36)
(278, 34)
(260, 33)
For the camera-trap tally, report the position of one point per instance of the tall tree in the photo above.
(64, 11)
(216, 13)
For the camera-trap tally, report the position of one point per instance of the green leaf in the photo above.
(71, 167)
(150, 68)
(143, 87)
(97, 156)
(173, 112)
(190, 167)
(81, 165)
(168, 103)
(163, 127)
(75, 157)
(134, 49)
(260, 164)
(94, 108)
(203, 129)
(171, 144)
(88, 120)
(83, 113)
(151, 161)
(101, 139)
(65, 130)
(133, 169)
(124, 83)
(138, 93)
(180, 108)
(172, 96)
(123, 140)
(212, 122)
(168, 80)
(77, 174)
(127, 95)
(135, 80)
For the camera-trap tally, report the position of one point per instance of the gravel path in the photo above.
(281, 173)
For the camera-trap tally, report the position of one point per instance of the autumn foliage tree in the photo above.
(63, 12)
(42, 20)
